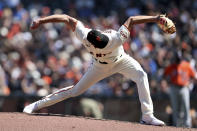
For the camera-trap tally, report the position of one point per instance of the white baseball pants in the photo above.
(126, 66)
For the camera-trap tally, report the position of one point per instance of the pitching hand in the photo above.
(35, 24)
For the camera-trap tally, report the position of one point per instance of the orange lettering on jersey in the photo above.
(91, 53)
(102, 55)
(123, 34)
(98, 55)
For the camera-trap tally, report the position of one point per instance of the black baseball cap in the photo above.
(97, 39)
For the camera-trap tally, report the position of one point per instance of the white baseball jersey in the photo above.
(112, 50)
(127, 66)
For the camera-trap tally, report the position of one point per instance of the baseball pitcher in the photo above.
(108, 58)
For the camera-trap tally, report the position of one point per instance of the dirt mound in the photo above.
(49, 122)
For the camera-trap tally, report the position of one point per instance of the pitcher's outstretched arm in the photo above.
(133, 20)
(68, 20)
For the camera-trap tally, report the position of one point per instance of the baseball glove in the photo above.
(166, 24)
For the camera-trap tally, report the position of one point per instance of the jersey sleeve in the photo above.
(118, 38)
(123, 33)
(80, 31)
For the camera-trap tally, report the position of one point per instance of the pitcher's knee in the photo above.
(75, 92)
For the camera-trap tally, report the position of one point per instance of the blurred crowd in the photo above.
(51, 57)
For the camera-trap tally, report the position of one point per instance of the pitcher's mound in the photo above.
(50, 122)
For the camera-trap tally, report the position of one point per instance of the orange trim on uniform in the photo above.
(126, 27)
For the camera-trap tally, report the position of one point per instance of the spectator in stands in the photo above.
(4, 90)
(91, 108)
(179, 74)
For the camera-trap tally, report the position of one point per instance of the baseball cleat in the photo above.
(30, 108)
(151, 120)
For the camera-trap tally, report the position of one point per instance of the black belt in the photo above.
(106, 62)
(101, 61)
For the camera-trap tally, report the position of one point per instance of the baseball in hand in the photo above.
(35, 24)
(166, 24)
